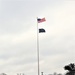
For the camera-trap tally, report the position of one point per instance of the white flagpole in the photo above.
(38, 47)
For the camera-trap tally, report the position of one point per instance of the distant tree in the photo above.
(59, 74)
(55, 73)
(3, 74)
(70, 68)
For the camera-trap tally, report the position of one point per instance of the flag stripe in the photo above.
(41, 20)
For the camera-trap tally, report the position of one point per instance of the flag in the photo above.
(41, 30)
(41, 20)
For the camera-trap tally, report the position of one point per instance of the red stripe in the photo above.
(42, 20)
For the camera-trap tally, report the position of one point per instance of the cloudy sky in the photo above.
(18, 36)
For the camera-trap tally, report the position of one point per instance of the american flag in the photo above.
(41, 20)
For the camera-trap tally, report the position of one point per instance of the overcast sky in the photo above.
(18, 36)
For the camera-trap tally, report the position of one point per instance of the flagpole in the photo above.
(38, 48)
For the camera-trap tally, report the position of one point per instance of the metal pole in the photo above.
(38, 47)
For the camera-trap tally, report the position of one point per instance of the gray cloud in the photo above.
(18, 40)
